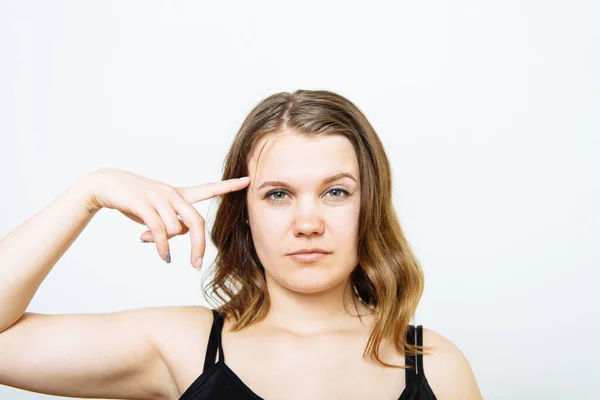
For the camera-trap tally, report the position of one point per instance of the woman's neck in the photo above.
(313, 313)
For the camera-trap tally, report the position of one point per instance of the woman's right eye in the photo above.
(275, 192)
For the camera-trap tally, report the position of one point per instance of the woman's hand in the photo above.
(166, 211)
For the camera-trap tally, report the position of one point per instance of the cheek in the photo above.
(267, 224)
(345, 228)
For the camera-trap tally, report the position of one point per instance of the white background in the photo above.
(488, 111)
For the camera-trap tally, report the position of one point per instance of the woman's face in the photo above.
(293, 204)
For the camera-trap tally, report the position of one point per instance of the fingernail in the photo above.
(143, 241)
(198, 264)
(245, 178)
(168, 257)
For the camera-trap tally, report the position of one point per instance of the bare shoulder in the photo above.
(180, 334)
(173, 329)
(447, 370)
(173, 320)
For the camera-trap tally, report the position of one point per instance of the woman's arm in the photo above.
(71, 355)
(29, 252)
(118, 355)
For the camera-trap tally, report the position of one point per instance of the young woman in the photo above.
(315, 280)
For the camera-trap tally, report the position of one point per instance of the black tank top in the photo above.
(217, 381)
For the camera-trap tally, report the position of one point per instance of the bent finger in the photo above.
(159, 233)
(196, 225)
(169, 217)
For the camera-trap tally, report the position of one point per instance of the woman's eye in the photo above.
(275, 193)
(336, 193)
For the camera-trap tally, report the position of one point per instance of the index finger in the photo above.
(193, 194)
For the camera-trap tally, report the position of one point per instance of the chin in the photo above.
(311, 280)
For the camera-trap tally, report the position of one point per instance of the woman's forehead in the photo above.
(292, 154)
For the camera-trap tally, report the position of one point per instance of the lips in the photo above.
(309, 251)
(308, 255)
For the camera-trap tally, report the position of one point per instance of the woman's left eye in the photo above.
(338, 190)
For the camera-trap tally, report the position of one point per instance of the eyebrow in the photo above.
(324, 181)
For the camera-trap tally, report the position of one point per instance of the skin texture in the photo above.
(303, 212)
(311, 342)
(311, 321)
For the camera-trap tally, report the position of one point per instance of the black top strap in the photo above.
(214, 340)
(415, 337)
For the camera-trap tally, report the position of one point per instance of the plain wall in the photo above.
(488, 111)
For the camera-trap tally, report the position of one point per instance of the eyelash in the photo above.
(268, 195)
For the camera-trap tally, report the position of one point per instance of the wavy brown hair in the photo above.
(388, 278)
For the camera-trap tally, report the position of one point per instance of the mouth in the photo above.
(308, 257)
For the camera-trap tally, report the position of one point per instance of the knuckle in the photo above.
(192, 215)
(156, 195)
(172, 223)
(161, 231)
(169, 192)
(183, 193)
(141, 201)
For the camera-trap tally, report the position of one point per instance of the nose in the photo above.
(308, 218)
